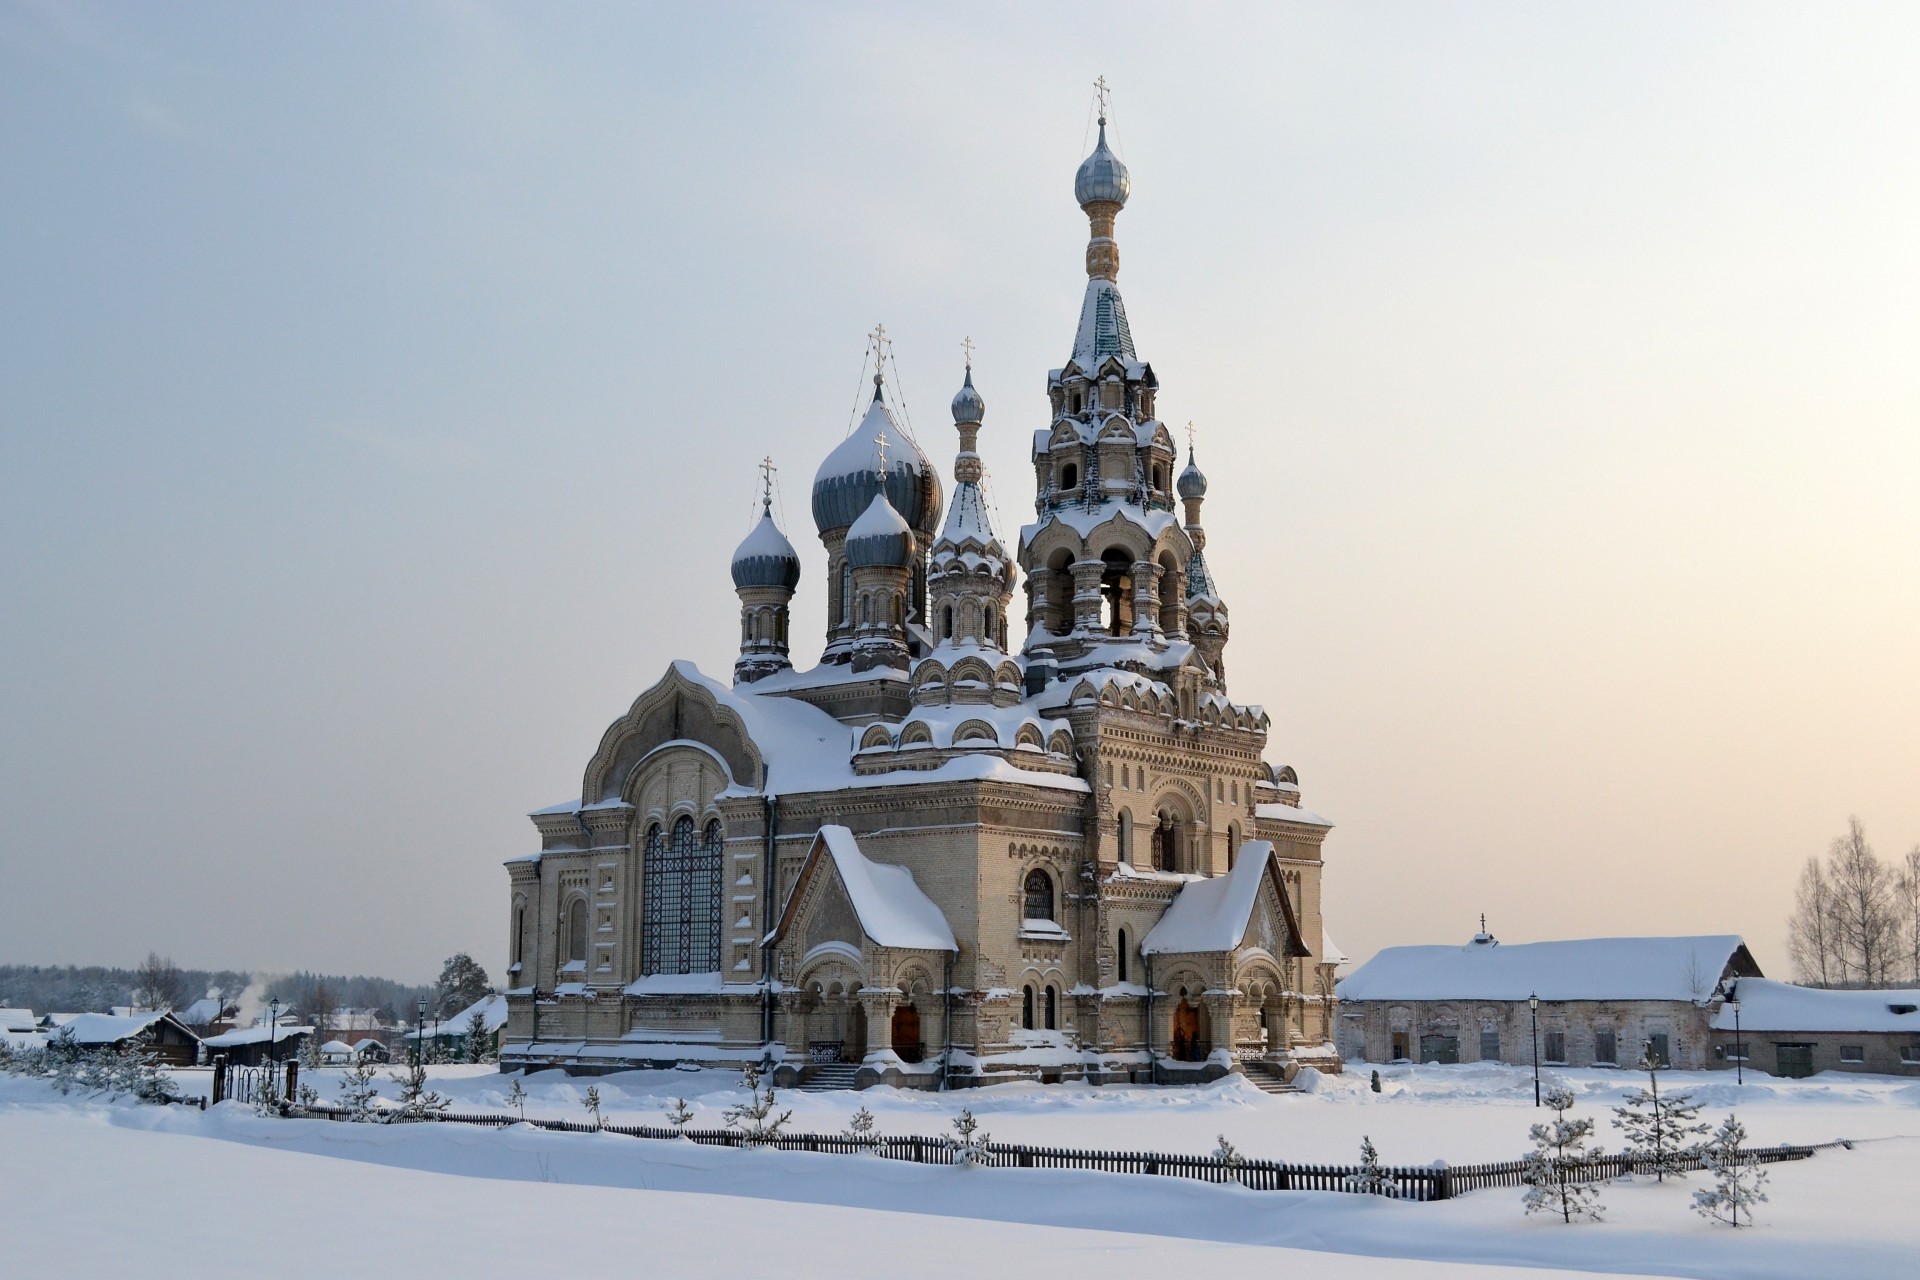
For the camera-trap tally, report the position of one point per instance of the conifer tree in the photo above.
(592, 1103)
(479, 1039)
(1559, 1166)
(969, 1142)
(357, 1090)
(518, 1097)
(417, 1102)
(755, 1118)
(863, 1125)
(680, 1115)
(1661, 1132)
(1737, 1176)
(1370, 1179)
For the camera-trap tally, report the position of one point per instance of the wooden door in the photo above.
(1186, 1032)
(906, 1033)
(1795, 1061)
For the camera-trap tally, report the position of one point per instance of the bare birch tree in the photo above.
(1856, 921)
(1809, 929)
(1863, 907)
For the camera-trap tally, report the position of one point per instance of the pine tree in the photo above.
(310, 1051)
(1560, 1164)
(863, 1126)
(755, 1118)
(681, 1114)
(1660, 1131)
(417, 1102)
(518, 1097)
(357, 1091)
(968, 1143)
(479, 1039)
(1371, 1179)
(64, 1062)
(1737, 1176)
(592, 1103)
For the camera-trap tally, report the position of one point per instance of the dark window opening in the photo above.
(1053, 1010)
(1039, 895)
(1026, 1008)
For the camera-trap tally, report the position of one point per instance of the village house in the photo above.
(1791, 1031)
(1590, 1001)
(169, 1039)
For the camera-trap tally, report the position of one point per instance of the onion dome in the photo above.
(1101, 176)
(967, 404)
(1191, 484)
(765, 558)
(880, 537)
(847, 481)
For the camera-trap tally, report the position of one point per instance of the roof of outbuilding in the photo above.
(1766, 1005)
(1683, 968)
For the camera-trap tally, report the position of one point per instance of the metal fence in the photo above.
(1437, 1181)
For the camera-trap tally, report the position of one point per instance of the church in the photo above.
(935, 859)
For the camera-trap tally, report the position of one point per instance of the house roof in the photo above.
(491, 1007)
(892, 909)
(256, 1035)
(1684, 968)
(112, 1028)
(1213, 914)
(18, 1020)
(1766, 1005)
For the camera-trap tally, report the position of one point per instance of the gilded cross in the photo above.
(1101, 92)
(880, 444)
(966, 345)
(766, 484)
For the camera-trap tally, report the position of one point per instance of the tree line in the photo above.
(1856, 918)
(158, 983)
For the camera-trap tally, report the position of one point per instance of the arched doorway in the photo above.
(1188, 1042)
(905, 1034)
(856, 1042)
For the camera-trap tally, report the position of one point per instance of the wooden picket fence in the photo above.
(1437, 1181)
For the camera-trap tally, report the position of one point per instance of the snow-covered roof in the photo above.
(336, 1047)
(256, 1035)
(1103, 330)
(1684, 968)
(108, 1028)
(491, 1007)
(1212, 914)
(1330, 952)
(201, 1011)
(1291, 813)
(892, 909)
(17, 1020)
(1766, 1005)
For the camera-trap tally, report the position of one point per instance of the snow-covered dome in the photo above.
(1102, 176)
(765, 558)
(967, 404)
(880, 537)
(1192, 482)
(850, 477)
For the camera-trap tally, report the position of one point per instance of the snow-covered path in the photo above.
(84, 1183)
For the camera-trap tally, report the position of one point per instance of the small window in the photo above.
(1076, 402)
(1604, 1048)
(1902, 1008)
(1399, 1046)
(1910, 1053)
(1853, 1053)
(1070, 476)
(1555, 1046)
(1026, 1008)
(577, 930)
(1489, 1044)
(1039, 895)
(1159, 476)
(1053, 1010)
(1657, 1042)
(1123, 955)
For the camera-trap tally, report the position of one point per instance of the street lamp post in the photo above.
(1533, 1007)
(273, 1034)
(1731, 994)
(420, 1034)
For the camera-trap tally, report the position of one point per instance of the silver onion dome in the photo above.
(847, 481)
(967, 404)
(1102, 177)
(880, 537)
(1192, 482)
(765, 558)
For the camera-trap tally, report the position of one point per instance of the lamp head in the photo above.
(1533, 1003)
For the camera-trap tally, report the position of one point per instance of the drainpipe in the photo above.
(946, 1024)
(1146, 1034)
(766, 931)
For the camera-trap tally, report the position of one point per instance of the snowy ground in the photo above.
(85, 1185)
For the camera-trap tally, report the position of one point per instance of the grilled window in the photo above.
(1039, 895)
(680, 921)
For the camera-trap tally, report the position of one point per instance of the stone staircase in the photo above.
(1266, 1077)
(824, 1077)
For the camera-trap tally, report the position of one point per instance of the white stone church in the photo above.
(934, 859)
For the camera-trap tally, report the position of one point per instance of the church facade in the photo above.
(936, 859)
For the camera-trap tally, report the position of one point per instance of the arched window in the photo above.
(946, 622)
(1039, 895)
(1233, 843)
(1026, 1007)
(1126, 826)
(519, 932)
(680, 914)
(899, 612)
(1163, 842)
(1123, 955)
(1159, 476)
(1076, 402)
(846, 595)
(1053, 1010)
(577, 930)
(1070, 476)
(866, 611)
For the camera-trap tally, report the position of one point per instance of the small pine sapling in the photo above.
(592, 1103)
(310, 1051)
(755, 1118)
(863, 1126)
(479, 1039)
(1559, 1168)
(1370, 1179)
(680, 1115)
(1229, 1157)
(1737, 1176)
(357, 1091)
(969, 1141)
(518, 1097)
(417, 1102)
(1661, 1131)
(308, 1096)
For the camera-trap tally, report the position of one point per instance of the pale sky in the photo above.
(380, 388)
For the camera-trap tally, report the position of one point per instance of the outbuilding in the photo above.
(1784, 1030)
(253, 1045)
(170, 1040)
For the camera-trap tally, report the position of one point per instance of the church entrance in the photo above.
(906, 1034)
(1189, 1039)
